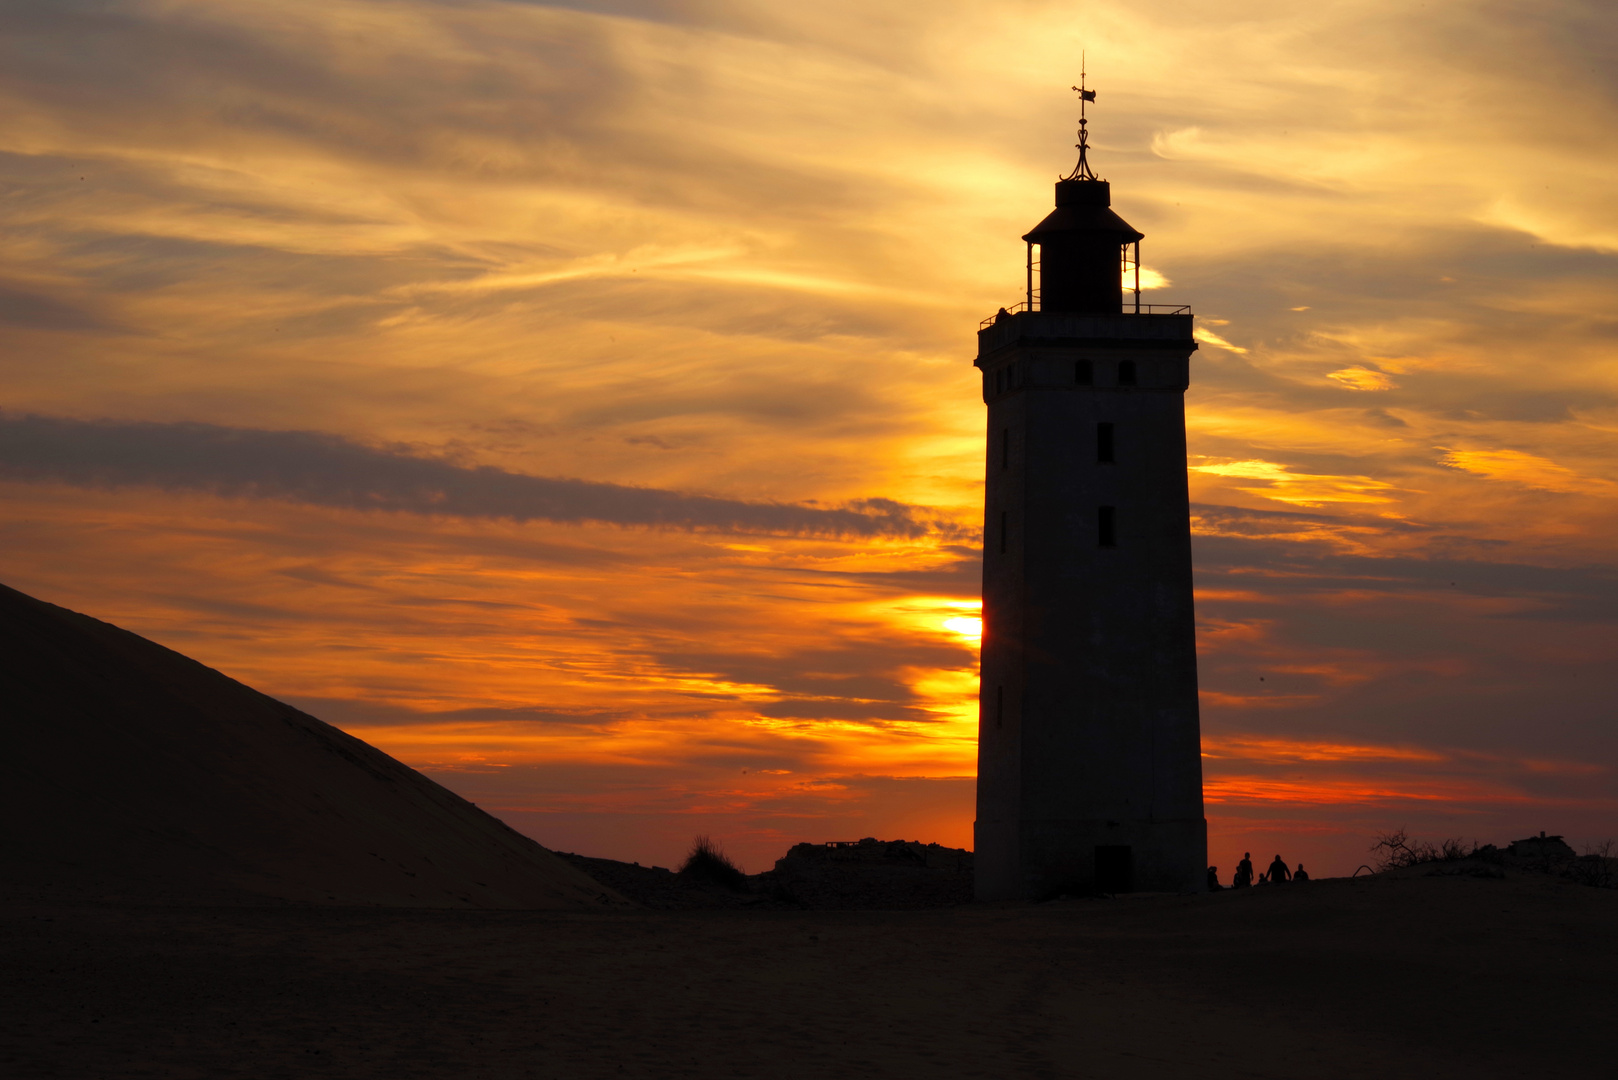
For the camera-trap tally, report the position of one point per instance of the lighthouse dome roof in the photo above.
(1083, 206)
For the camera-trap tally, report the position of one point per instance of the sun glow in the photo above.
(1149, 279)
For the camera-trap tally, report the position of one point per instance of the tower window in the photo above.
(1106, 527)
(1005, 448)
(1084, 372)
(1005, 527)
(999, 379)
(1104, 444)
(999, 706)
(1126, 373)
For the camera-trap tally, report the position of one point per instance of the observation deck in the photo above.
(1153, 326)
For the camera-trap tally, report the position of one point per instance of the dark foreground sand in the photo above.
(1390, 977)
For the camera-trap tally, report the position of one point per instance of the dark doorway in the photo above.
(1115, 868)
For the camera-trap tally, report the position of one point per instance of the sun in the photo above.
(968, 627)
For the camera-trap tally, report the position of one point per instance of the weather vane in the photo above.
(1082, 170)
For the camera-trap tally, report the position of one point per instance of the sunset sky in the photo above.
(576, 401)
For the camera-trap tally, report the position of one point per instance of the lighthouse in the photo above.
(1089, 747)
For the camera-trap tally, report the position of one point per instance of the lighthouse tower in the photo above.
(1089, 767)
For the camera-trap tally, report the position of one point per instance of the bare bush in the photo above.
(1455, 848)
(1396, 850)
(1598, 866)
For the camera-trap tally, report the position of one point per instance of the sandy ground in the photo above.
(1416, 976)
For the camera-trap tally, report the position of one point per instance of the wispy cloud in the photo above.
(326, 470)
(1529, 470)
(1301, 489)
(1359, 378)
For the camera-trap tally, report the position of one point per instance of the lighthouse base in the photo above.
(1039, 860)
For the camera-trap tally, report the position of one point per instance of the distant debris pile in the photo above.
(708, 864)
(1542, 854)
(1542, 848)
(1598, 866)
(662, 889)
(848, 875)
(872, 873)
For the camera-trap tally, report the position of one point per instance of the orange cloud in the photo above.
(1301, 489)
(1529, 470)
(1273, 750)
(1359, 378)
(1333, 792)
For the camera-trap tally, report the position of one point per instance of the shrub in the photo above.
(1396, 850)
(708, 862)
(1595, 866)
(1455, 849)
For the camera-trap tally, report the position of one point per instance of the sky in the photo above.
(576, 401)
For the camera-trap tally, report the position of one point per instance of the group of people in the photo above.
(1277, 874)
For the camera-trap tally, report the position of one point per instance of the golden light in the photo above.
(1149, 278)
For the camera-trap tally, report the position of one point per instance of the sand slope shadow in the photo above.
(130, 771)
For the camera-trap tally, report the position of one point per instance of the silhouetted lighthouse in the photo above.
(1089, 767)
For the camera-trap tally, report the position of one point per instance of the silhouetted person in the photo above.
(1278, 872)
(1244, 872)
(1301, 875)
(1213, 879)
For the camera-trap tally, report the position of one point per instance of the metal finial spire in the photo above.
(1082, 170)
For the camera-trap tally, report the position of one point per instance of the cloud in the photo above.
(1208, 337)
(1359, 378)
(1301, 489)
(35, 310)
(1272, 750)
(1529, 470)
(326, 470)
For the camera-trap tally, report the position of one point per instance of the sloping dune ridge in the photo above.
(130, 771)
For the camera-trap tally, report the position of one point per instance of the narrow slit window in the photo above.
(1126, 373)
(1107, 526)
(999, 379)
(999, 706)
(1005, 448)
(1005, 527)
(1104, 444)
(1084, 372)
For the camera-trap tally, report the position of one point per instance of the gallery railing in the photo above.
(1126, 309)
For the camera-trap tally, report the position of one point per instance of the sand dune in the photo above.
(1432, 977)
(132, 772)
